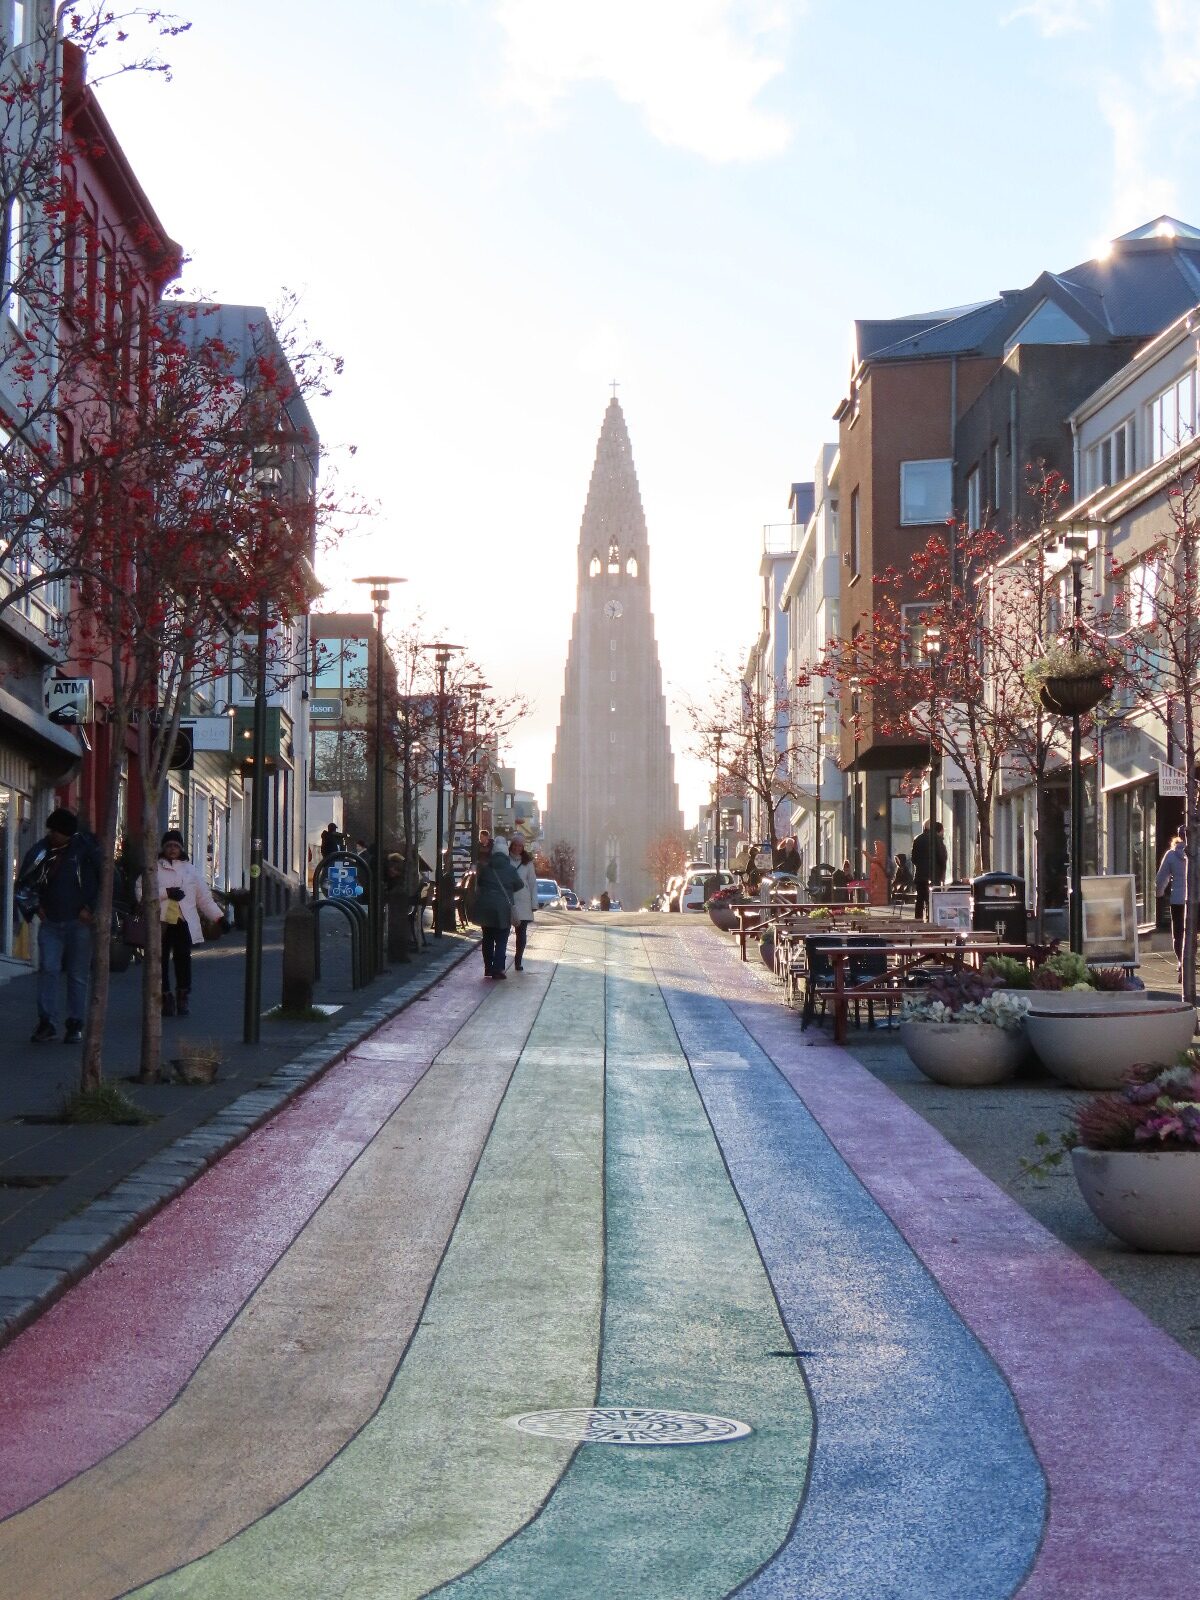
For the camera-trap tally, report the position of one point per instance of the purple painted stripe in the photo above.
(112, 1354)
(1112, 1404)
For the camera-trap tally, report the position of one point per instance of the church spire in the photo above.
(612, 789)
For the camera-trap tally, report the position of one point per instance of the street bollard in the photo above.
(299, 964)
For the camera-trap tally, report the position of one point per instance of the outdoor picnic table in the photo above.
(899, 960)
(754, 915)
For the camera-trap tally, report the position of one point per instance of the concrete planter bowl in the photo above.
(1094, 1049)
(1079, 1000)
(963, 1055)
(1148, 1198)
(721, 916)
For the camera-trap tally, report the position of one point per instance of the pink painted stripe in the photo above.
(1112, 1404)
(113, 1353)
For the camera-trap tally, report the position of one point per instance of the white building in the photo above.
(809, 597)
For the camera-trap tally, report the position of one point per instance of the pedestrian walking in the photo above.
(183, 898)
(524, 898)
(331, 840)
(1172, 882)
(929, 866)
(496, 886)
(58, 885)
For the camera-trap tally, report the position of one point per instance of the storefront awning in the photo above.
(55, 748)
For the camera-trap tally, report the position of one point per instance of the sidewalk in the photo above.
(69, 1194)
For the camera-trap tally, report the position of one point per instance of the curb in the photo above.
(41, 1274)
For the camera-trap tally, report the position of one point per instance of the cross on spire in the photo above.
(614, 386)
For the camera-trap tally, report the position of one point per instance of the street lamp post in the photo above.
(252, 990)
(818, 712)
(856, 796)
(717, 734)
(475, 690)
(441, 654)
(931, 644)
(1076, 543)
(380, 587)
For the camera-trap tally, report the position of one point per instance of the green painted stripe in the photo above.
(690, 1321)
(439, 1478)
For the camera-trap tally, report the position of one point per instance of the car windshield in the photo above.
(547, 886)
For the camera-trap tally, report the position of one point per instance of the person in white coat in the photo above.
(524, 898)
(183, 898)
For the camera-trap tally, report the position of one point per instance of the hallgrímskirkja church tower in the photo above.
(612, 785)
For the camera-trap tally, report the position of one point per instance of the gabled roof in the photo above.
(1148, 278)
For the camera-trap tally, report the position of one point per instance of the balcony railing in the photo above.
(779, 538)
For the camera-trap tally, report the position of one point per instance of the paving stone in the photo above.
(18, 1282)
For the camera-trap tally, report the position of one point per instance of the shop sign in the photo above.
(1172, 782)
(70, 701)
(325, 710)
(209, 733)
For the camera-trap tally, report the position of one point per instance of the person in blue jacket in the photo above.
(1172, 882)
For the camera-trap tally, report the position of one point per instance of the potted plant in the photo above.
(1069, 680)
(1136, 1156)
(719, 906)
(1094, 1040)
(964, 1031)
(1065, 982)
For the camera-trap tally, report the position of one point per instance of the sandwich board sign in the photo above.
(70, 701)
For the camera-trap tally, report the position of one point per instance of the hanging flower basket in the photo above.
(1074, 696)
(1069, 681)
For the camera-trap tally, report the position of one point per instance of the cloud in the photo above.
(693, 69)
(1053, 17)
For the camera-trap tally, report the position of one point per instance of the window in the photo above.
(14, 300)
(855, 534)
(974, 500)
(1173, 416)
(339, 664)
(925, 491)
(995, 474)
(914, 634)
(614, 557)
(1048, 323)
(594, 566)
(1112, 458)
(19, 30)
(631, 567)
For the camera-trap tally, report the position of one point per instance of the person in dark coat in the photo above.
(59, 884)
(331, 839)
(1172, 882)
(789, 858)
(495, 886)
(929, 866)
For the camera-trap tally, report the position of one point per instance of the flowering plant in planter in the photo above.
(721, 897)
(1157, 1109)
(1062, 970)
(966, 999)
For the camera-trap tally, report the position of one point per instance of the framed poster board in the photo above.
(951, 908)
(1110, 920)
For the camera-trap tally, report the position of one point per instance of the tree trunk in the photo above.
(1192, 875)
(92, 1067)
(151, 1049)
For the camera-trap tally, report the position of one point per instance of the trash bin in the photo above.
(998, 901)
(820, 884)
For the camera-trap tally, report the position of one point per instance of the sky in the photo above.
(493, 208)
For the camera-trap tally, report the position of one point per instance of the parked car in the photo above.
(548, 893)
(695, 888)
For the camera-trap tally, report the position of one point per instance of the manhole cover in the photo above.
(638, 1425)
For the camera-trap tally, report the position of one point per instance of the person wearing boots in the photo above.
(183, 897)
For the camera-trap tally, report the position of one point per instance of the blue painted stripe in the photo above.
(689, 1322)
(923, 1484)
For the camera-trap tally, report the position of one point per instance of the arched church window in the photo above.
(594, 566)
(631, 567)
(614, 557)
